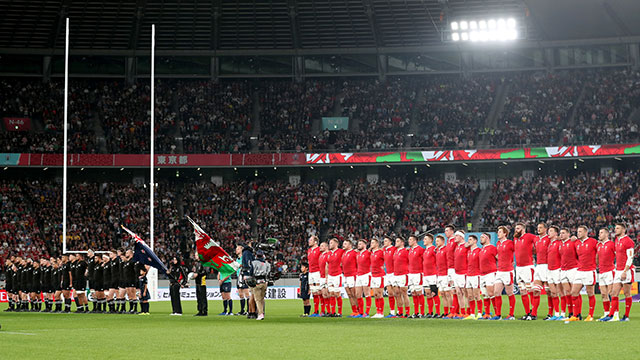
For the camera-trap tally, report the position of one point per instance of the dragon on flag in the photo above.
(143, 254)
(211, 254)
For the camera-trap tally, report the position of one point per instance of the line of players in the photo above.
(111, 277)
(467, 280)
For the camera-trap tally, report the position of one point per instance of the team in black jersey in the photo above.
(109, 278)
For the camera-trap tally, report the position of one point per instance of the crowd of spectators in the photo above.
(436, 203)
(362, 210)
(570, 200)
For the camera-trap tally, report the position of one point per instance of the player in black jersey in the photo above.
(120, 283)
(34, 294)
(98, 280)
(113, 271)
(131, 280)
(79, 268)
(8, 265)
(46, 283)
(67, 279)
(144, 290)
(91, 275)
(56, 281)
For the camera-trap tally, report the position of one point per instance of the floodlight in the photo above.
(464, 25)
(464, 36)
(455, 36)
(454, 25)
(473, 25)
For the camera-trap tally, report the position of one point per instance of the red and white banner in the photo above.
(17, 124)
(3, 296)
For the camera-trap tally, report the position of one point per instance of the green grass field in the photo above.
(285, 335)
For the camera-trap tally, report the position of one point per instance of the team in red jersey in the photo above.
(553, 260)
(624, 274)
(377, 277)
(415, 276)
(524, 245)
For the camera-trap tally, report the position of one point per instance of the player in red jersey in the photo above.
(377, 277)
(313, 253)
(334, 278)
(460, 275)
(350, 271)
(449, 232)
(553, 271)
(568, 268)
(401, 271)
(505, 275)
(606, 259)
(540, 281)
(389, 278)
(473, 278)
(624, 274)
(415, 277)
(442, 269)
(322, 261)
(586, 248)
(488, 270)
(429, 276)
(524, 244)
(363, 279)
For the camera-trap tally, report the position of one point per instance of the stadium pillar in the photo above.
(298, 67)
(634, 55)
(214, 68)
(46, 69)
(549, 60)
(466, 64)
(130, 69)
(382, 66)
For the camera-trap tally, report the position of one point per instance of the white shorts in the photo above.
(524, 274)
(415, 282)
(473, 282)
(553, 276)
(334, 283)
(443, 283)
(488, 279)
(429, 280)
(323, 283)
(568, 276)
(363, 280)
(314, 281)
(505, 277)
(401, 280)
(540, 273)
(459, 281)
(585, 278)
(617, 277)
(450, 274)
(377, 282)
(389, 279)
(349, 281)
(606, 278)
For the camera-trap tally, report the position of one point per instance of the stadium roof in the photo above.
(293, 24)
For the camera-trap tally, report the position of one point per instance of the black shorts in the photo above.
(130, 285)
(304, 296)
(145, 297)
(225, 287)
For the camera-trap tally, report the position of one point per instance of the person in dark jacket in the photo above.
(200, 277)
(177, 280)
(247, 273)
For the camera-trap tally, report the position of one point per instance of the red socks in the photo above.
(316, 303)
(563, 303)
(570, 304)
(592, 304)
(472, 307)
(550, 304)
(339, 302)
(497, 305)
(577, 305)
(512, 305)
(615, 305)
(368, 305)
(525, 303)
(556, 304)
(436, 302)
(360, 306)
(627, 302)
(446, 310)
(605, 305)
(416, 304)
(392, 302)
(535, 303)
(430, 305)
(421, 303)
(332, 305)
(487, 305)
(456, 305)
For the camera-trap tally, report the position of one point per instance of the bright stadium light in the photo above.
(484, 30)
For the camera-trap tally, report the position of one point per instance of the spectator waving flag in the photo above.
(143, 254)
(211, 254)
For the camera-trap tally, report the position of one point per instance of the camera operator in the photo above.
(261, 270)
(247, 274)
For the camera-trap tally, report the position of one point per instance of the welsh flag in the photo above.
(211, 254)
